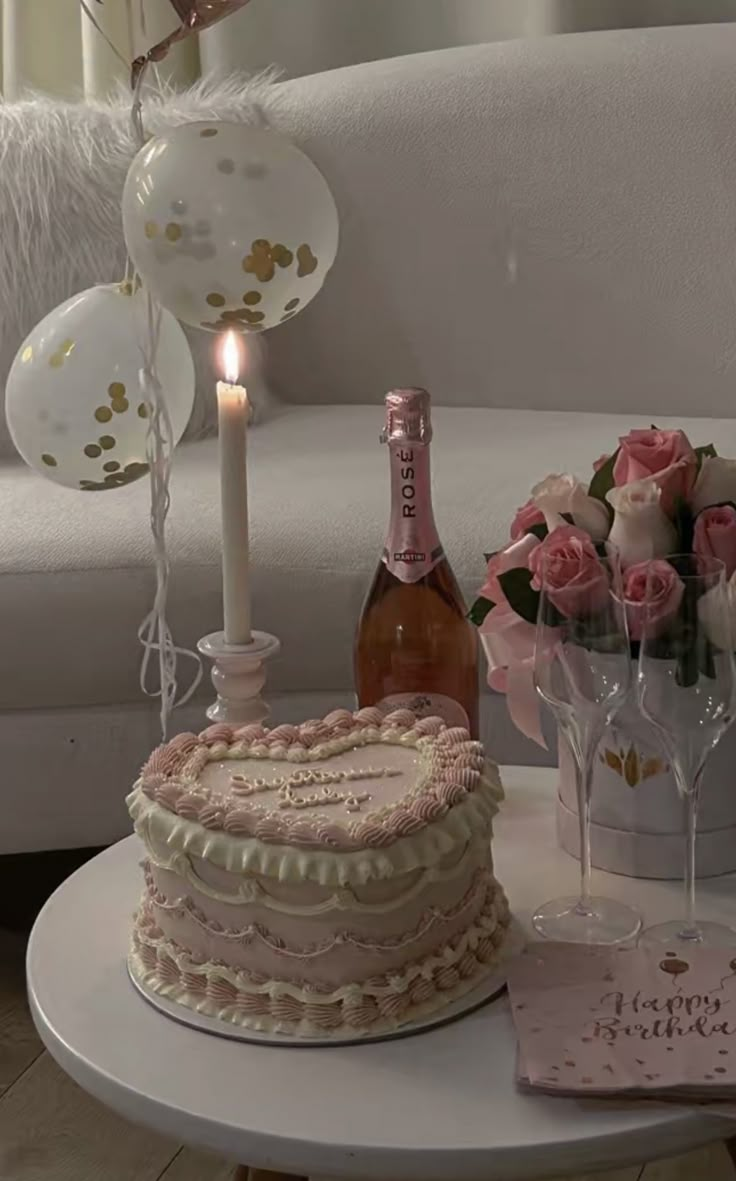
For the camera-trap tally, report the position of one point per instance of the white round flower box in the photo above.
(637, 824)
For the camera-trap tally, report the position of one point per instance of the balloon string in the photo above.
(154, 632)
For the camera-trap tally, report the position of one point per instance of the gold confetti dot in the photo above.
(215, 299)
(107, 442)
(252, 317)
(116, 389)
(150, 229)
(66, 347)
(103, 413)
(120, 405)
(173, 231)
(307, 261)
(49, 460)
(92, 451)
(56, 360)
(134, 470)
(27, 354)
(143, 410)
(281, 255)
(112, 465)
(252, 297)
(208, 132)
(293, 303)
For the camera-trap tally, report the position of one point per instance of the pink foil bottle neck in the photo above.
(413, 546)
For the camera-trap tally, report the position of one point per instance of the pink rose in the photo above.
(666, 457)
(665, 595)
(526, 516)
(575, 581)
(715, 535)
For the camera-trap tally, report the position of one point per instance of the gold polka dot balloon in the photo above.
(73, 398)
(229, 226)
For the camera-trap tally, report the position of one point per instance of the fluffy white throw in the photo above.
(62, 170)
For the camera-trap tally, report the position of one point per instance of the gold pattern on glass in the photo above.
(150, 229)
(142, 410)
(226, 166)
(216, 300)
(208, 132)
(120, 405)
(287, 316)
(173, 231)
(112, 465)
(116, 389)
(49, 460)
(633, 767)
(92, 451)
(252, 297)
(27, 354)
(103, 413)
(307, 261)
(293, 303)
(107, 442)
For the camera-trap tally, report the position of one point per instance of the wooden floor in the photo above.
(50, 1130)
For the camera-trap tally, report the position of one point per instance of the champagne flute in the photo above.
(582, 670)
(686, 688)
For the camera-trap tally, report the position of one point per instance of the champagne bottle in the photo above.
(414, 647)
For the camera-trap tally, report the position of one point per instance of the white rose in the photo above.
(564, 494)
(640, 529)
(718, 619)
(716, 483)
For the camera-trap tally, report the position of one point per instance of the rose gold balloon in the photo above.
(198, 14)
(195, 16)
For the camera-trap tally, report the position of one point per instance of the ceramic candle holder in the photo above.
(239, 675)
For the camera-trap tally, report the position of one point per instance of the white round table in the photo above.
(440, 1106)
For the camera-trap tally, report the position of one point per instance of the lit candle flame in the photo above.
(230, 357)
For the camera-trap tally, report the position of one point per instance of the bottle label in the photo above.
(413, 546)
(427, 705)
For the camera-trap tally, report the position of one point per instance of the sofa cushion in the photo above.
(540, 223)
(77, 576)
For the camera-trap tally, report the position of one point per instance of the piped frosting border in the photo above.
(455, 801)
(381, 1003)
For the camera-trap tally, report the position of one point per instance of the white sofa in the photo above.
(543, 233)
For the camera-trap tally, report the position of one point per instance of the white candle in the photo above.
(232, 418)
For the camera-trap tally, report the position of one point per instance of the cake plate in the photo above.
(486, 991)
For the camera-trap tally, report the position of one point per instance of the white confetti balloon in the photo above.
(229, 226)
(73, 400)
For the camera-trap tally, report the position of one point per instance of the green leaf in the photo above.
(602, 481)
(684, 523)
(479, 610)
(516, 585)
(539, 530)
(489, 556)
(708, 451)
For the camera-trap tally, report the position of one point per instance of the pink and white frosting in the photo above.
(449, 768)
